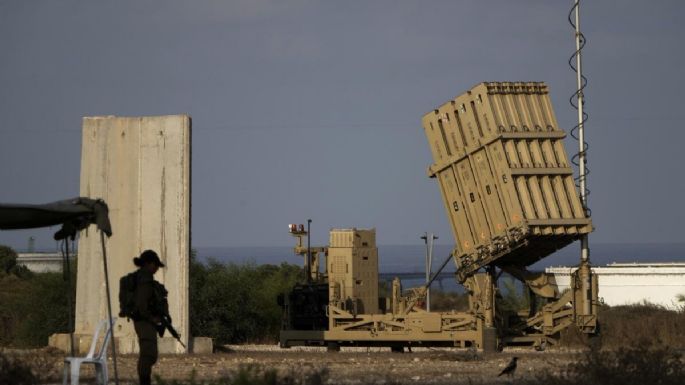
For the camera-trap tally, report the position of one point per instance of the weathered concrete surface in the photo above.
(141, 167)
(201, 345)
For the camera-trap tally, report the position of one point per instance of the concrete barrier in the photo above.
(141, 167)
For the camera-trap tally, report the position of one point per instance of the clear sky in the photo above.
(311, 109)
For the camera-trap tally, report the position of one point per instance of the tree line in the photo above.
(232, 303)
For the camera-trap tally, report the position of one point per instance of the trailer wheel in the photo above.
(397, 349)
(541, 346)
(333, 347)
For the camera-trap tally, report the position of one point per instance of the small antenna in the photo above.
(32, 245)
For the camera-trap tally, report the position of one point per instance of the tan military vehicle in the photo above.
(510, 196)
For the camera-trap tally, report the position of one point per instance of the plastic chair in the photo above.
(99, 359)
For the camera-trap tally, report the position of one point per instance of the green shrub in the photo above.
(32, 308)
(447, 301)
(8, 259)
(8, 263)
(32, 305)
(237, 303)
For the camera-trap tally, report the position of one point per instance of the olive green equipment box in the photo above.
(510, 195)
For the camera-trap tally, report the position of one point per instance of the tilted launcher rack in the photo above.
(509, 192)
(505, 179)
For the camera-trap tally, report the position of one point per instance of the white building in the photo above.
(631, 283)
(43, 262)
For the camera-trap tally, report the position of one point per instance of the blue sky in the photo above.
(311, 109)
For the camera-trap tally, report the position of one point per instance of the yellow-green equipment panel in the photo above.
(504, 175)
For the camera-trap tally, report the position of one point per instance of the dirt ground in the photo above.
(350, 365)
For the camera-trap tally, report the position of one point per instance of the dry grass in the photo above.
(14, 371)
(637, 344)
(623, 326)
(629, 326)
(28, 367)
(258, 375)
(625, 366)
(644, 364)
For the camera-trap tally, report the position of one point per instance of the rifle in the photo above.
(165, 324)
(163, 309)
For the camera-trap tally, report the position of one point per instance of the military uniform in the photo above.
(145, 321)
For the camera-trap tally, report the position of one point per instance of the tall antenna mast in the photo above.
(585, 271)
(582, 146)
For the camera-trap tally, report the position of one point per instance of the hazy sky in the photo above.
(311, 109)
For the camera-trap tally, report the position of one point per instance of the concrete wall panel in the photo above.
(141, 167)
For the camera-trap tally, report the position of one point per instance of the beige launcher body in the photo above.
(509, 193)
(504, 175)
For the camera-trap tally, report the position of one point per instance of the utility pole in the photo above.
(32, 244)
(428, 240)
(308, 270)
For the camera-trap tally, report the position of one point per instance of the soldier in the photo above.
(150, 308)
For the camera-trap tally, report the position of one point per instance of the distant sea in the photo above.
(411, 258)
